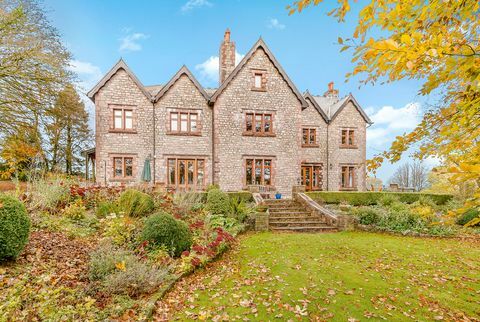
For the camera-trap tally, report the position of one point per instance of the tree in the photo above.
(19, 152)
(33, 67)
(436, 42)
(68, 130)
(411, 175)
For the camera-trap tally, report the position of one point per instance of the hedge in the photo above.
(244, 195)
(371, 197)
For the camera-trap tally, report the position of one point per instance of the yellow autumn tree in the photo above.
(438, 43)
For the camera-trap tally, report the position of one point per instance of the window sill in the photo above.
(258, 89)
(185, 133)
(259, 134)
(310, 146)
(348, 146)
(122, 131)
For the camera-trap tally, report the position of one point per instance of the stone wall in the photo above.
(350, 118)
(121, 91)
(182, 96)
(232, 147)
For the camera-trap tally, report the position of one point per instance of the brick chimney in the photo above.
(331, 93)
(227, 57)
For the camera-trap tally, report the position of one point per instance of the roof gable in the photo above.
(312, 101)
(183, 71)
(351, 99)
(259, 44)
(119, 65)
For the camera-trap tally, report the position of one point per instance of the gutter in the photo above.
(154, 155)
(328, 155)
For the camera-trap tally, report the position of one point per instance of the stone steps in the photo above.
(289, 215)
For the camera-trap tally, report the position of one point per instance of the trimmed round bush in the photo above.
(14, 227)
(367, 216)
(162, 229)
(468, 216)
(218, 202)
(135, 203)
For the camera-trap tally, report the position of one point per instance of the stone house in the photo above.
(255, 129)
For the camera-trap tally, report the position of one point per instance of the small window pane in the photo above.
(128, 167)
(268, 121)
(305, 136)
(118, 167)
(173, 122)
(249, 171)
(181, 171)
(249, 122)
(191, 169)
(258, 123)
(200, 172)
(344, 136)
(258, 171)
(171, 171)
(258, 80)
(183, 122)
(128, 119)
(193, 122)
(312, 136)
(118, 119)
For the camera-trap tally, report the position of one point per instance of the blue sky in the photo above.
(157, 37)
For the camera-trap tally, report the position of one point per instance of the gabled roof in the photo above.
(154, 89)
(259, 44)
(312, 100)
(341, 105)
(330, 108)
(119, 65)
(183, 71)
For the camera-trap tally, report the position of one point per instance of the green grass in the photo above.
(340, 276)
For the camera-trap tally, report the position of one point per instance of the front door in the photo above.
(312, 177)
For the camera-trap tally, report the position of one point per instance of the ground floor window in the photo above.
(348, 177)
(123, 167)
(188, 174)
(312, 176)
(258, 172)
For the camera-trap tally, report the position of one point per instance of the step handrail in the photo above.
(312, 205)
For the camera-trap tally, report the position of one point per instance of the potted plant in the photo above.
(278, 195)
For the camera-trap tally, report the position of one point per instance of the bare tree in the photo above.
(411, 175)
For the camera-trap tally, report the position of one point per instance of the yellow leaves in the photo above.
(340, 40)
(120, 266)
(405, 39)
(473, 222)
(410, 65)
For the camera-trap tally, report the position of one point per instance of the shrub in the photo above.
(163, 229)
(135, 203)
(468, 216)
(367, 215)
(121, 272)
(219, 221)
(14, 227)
(134, 278)
(190, 201)
(103, 261)
(76, 210)
(369, 198)
(246, 196)
(120, 229)
(218, 202)
(105, 208)
(51, 194)
(239, 209)
(387, 200)
(402, 221)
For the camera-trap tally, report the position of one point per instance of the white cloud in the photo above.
(273, 23)
(131, 42)
(209, 68)
(390, 122)
(193, 4)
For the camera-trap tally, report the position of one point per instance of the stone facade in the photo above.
(221, 143)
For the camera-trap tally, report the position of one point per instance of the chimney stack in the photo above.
(227, 57)
(332, 93)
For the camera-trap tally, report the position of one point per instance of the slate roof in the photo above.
(154, 89)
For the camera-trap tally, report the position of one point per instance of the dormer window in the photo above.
(259, 80)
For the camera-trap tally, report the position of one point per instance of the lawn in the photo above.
(346, 276)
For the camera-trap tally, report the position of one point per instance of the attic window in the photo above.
(259, 80)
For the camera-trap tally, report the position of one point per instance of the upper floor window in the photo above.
(123, 167)
(258, 124)
(309, 137)
(259, 80)
(348, 177)
(122, 119)
(348, 138)
(258, 172)
(184, 122)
